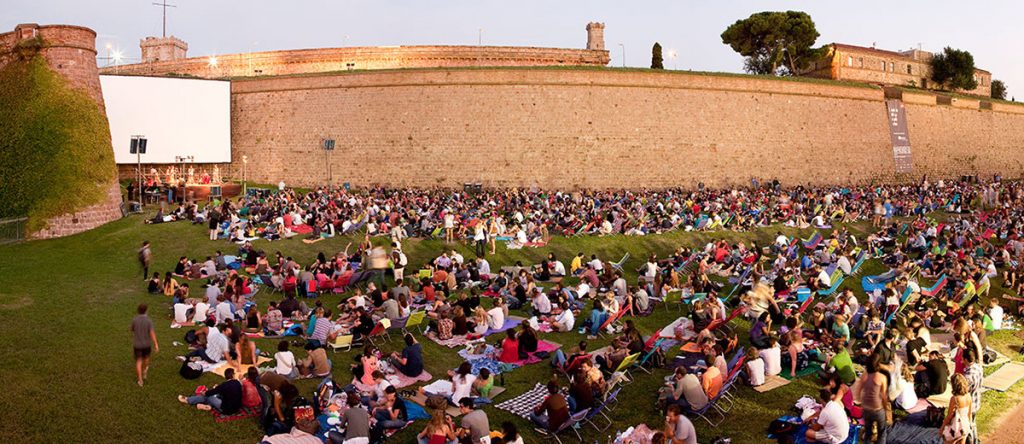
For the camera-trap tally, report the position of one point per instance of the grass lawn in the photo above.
(65, 307)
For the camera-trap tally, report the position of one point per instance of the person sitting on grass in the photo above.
(509, 347)
(509, 435)
(273, 322)
(225, 398)
(316, 363)
(561, 361)
(390, 412)
(482, 386)
(528, 339)
(564, 320)
(842, 362)
(286, 365)
(796, 357)
(245, 350)
(218, 347)
(684, 389)
(462, 382)
(439, 430)
(754, 369)
(678, 427)
(410, 362)
(830, 425)
(552, 411)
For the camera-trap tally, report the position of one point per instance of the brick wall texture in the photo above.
(71, 52)
(598, 128)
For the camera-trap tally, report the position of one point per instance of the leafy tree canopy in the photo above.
(998, 90)
(954, 69)
(776, 43)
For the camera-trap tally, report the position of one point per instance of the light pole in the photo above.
(245, 161)
(623, 54)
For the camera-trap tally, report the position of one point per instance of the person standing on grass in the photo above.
(144, 342)
(145, 256)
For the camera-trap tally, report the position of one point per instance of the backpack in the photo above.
(989, 357)
(191, 370)
(191, 337)
(934, 416)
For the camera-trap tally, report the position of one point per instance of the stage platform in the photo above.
(201, 193)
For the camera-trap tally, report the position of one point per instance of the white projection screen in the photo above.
(178, 117)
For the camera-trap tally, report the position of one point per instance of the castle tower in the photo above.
(595, 36)
(157, 49)
(70, 52)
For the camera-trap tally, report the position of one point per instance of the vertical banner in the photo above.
(900, 135)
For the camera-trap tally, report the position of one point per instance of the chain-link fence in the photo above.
(12, 230)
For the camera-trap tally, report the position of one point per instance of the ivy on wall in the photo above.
(55, 151)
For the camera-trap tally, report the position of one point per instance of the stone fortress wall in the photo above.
(168, 56)
(71, 52)
(596, 128)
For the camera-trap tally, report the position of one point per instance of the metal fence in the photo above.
(12, 230)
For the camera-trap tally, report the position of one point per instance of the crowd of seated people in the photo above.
(833, 331)
(529, 216)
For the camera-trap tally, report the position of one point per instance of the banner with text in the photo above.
(900, 135)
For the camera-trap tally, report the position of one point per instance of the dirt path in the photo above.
(1011, 428)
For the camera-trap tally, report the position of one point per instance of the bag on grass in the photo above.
(191, 370)
(989, 357)
(934, 416)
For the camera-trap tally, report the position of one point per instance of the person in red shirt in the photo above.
(509, 347)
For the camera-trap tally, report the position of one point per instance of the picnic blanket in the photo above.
(244, 413)
(542, 346)
(1004, 378)
(809, 370)
(523, 404)
(219, 368)
(771, 382)
(396, 379)
(670, 330)
(911, 430)
(459, 341)
(421, 399)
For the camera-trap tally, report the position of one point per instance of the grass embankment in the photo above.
(65, 306)
(55, 154)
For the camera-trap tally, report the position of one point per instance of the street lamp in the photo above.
(623, 54)
(245, 161)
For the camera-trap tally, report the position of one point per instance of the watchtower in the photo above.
(595, 36)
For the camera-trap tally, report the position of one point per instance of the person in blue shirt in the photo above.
(410, 362)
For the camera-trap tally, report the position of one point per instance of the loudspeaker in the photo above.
(138, 146)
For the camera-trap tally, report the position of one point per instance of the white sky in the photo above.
(991, 30)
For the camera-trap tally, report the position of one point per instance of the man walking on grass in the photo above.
(145, 255)
(143, 341)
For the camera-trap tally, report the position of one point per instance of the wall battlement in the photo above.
(303, 61)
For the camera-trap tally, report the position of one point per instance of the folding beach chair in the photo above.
(599, 411)
(341, 342)
(936, 287)
(618, 265)
(415, 320)
(569, 424)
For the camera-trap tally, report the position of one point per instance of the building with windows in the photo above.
(870, 65)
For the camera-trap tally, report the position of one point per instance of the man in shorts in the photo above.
(143, 341)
